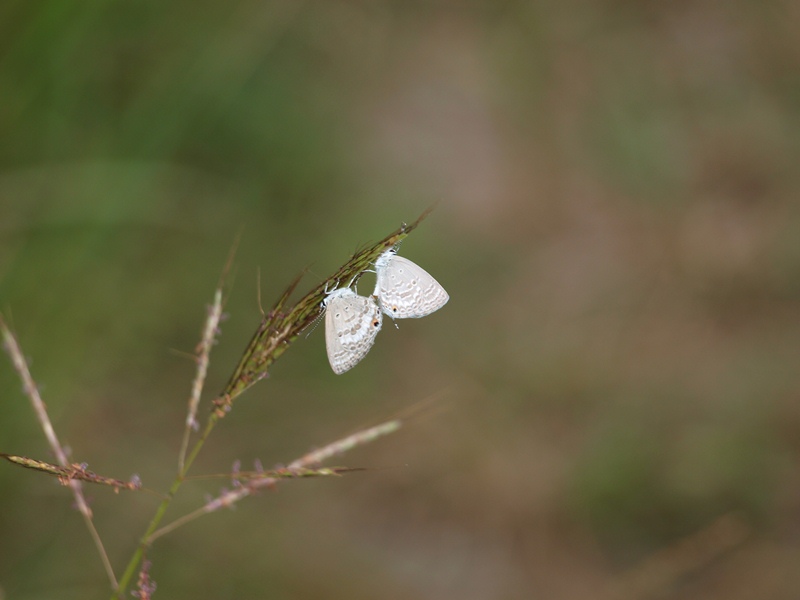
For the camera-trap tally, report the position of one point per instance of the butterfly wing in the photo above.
(406, 290)
(351, 324)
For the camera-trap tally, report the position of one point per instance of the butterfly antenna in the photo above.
(314, 324)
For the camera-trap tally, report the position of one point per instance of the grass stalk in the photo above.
(32, 392)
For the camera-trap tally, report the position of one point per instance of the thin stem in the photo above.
(347, 443)
(231, 497)
(179, 522)
(87, 518)
(203, 353)
(32, 391)
(161, 511)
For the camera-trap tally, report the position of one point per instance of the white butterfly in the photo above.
(404, 289)
(351, 324)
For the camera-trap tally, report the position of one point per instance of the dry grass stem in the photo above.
(348, 443)
(73, 472)
(203, 353)
(297, 469)
(32, 392)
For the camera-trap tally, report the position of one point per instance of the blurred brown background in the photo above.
(610, 398)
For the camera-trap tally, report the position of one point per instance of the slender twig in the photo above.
(238, 477)
(341, 446)
(162, 510)
(72, 472)
(32, 391)
(203, 353)
(295, 470)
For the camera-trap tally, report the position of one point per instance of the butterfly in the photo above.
(404, 289)
(351, 324)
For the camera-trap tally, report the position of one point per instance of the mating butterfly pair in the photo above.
(403, 289)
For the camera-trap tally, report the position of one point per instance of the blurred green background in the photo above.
(612, 396)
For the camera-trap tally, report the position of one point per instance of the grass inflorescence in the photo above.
(281, 325)
(278, 328)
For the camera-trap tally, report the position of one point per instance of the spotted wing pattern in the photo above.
(405, 290)
(351, 324)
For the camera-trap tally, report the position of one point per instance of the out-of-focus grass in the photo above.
(619, 233)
